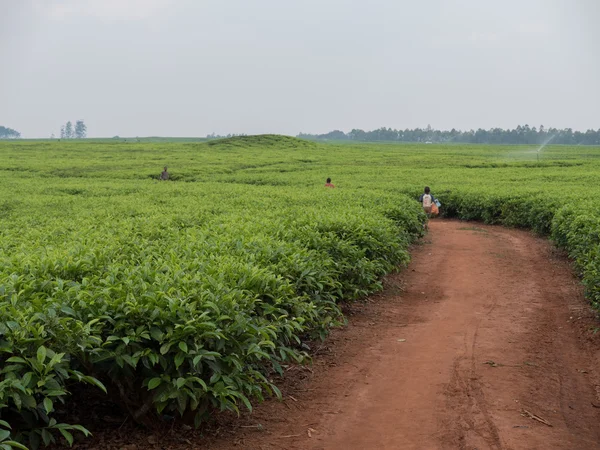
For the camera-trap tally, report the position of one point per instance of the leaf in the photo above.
(164, 349)
(57, 358)
(4, 434)
(183, 346)
(182, 400)
(95, 382)
(27, 379)
(180, 382)
(16, 359)
(68, 311)
(5, 424)
(46, 437)
(179, 360)
(17, 399)
(41, 354)
(81, 428)
(29, 401)
(154, 383)
(54, 393)
(14, 444)
(246, 402)
(156, 334)
(48, 405)
(34, 440)
(68, 436)
(277, 391)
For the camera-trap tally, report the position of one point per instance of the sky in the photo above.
(194, 67)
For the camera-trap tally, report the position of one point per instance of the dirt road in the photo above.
(484, 342)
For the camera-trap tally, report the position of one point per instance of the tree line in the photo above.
(519, 135)
(78, 131)
(9, 133)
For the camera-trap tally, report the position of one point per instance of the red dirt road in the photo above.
(486, 328)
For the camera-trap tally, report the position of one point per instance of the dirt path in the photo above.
(485, 324)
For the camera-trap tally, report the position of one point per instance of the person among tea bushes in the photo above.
(164, 174)
(328, 183)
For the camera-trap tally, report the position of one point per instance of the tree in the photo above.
(80, 130)
(519, 135)
(62, 132)
(9, 133)
(69, 130)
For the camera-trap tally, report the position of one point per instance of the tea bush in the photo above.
(176, 298)
(182, 309)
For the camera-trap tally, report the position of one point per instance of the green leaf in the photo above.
(29, 401)
(180, 382)
(68, 436)
(27, 379)
(4, 434)
(95, 382)
(14, 444)
(41, 354)
(17, 399)
(56, 359)
(16, 359)
(5, 424)
(164, 349)
(183, 346)
(201, 382)
(182, 400)
(276, 391)
(54, 393)
(154, 383)
(68, 311)
(179, 360)
(48, 405)
(34, 439)
(156, 334)
(81, 428)
(46, 437)
(246, 402)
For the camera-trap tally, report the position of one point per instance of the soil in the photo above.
(484, 342)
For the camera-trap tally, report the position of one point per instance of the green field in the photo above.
(186, 296)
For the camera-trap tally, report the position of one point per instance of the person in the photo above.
(328, 183)
(427, 200)
(164, 174)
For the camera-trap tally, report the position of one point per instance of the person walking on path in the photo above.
(427, 200)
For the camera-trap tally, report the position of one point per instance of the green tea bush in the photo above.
(181, 297)
(184, 313)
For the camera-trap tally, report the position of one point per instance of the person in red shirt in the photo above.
(328, 184)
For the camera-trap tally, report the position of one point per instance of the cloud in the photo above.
(108, 10)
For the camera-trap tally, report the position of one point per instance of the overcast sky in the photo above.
(193, 67)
